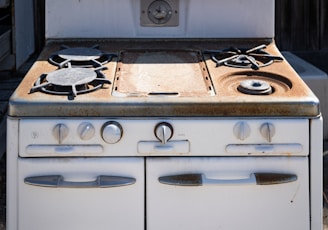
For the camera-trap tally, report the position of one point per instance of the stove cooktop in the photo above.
(143, 78)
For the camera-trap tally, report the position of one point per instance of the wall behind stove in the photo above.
(301, 25)
(121, 19)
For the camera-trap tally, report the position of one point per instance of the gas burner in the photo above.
(80, 57)
(70, 81)
(255, 87)
(254, 58)
(254, 83)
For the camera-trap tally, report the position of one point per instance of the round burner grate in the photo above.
(80, 57)
(254, 58)
(71, 76)
(80, 54)
(70, 81)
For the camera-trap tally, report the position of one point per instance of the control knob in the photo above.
(241, 130)
(86, 131)
(267, 130)
(60, 132)
(112, 132)
(163, 132)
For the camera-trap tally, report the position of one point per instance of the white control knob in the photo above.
(163, 132)
(60, 132)
(267, 130)
(241, 130)
(86, 131)
(112, 132)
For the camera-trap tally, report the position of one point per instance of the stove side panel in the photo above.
(12, 154)
(316, 173)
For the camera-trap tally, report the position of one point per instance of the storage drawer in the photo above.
(91, 193)
(227, 193)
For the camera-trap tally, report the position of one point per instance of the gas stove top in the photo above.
(179, 78)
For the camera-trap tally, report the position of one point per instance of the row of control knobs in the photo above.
(242, 130)
(111, 132)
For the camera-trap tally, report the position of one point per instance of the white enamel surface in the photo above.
(240, 201)
(227, 207)
(138, 138)
(197, 19)
(316, 169)
(81, 208)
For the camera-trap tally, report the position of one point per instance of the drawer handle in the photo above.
(253, 179)
(57, 181)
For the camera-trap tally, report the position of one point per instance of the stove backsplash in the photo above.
(159, 19)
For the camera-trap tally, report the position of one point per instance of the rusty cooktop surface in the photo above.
(162, 73)
(169, 78)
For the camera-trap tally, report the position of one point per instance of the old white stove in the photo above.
(163, 115)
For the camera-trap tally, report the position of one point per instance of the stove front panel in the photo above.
(163, 137)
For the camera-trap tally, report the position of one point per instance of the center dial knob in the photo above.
(163, 132)
(159, 12)
(112, 132)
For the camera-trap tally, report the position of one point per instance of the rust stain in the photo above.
(170, 73)
(291, 97)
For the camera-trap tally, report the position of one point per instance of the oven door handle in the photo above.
(253, 179)
(57, 181)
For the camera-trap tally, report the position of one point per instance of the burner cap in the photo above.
(80, 54)
(71, 76)
(255, 87)
(241, 61)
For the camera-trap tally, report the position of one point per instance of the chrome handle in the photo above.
(253, 179)
(57, 181)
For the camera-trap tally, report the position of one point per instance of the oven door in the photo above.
(228, 193)
(81, 193)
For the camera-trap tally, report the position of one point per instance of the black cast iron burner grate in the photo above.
(71, 81)
(254, 58)
(80, 57)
